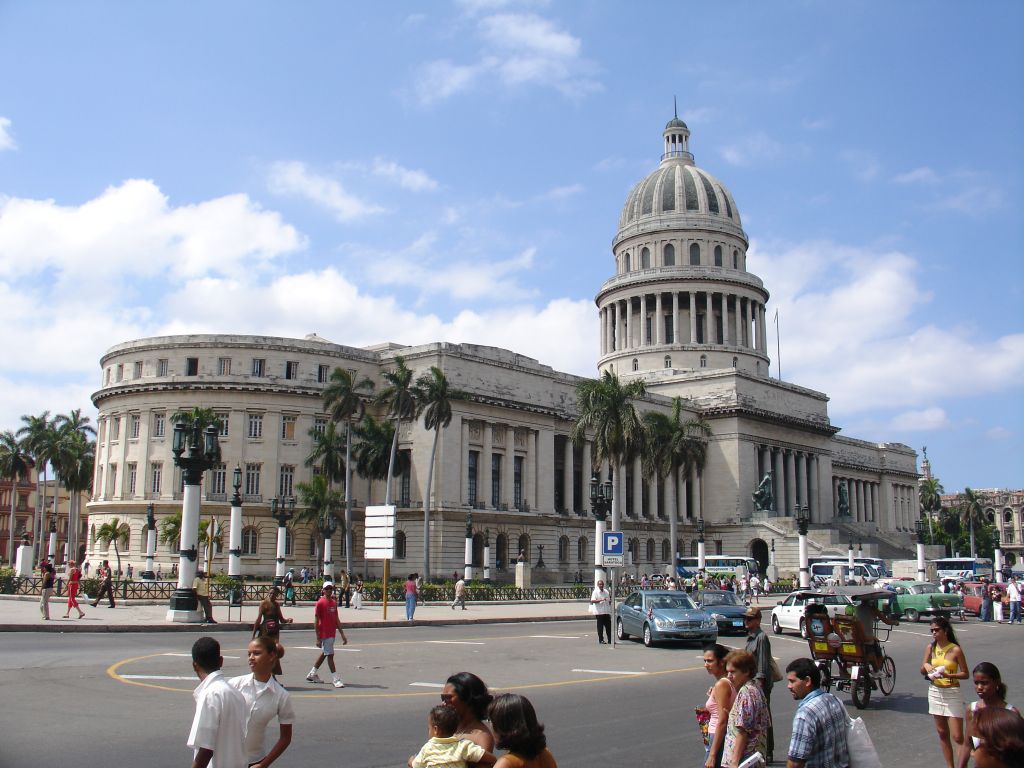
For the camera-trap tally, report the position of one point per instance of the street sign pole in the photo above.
(611, 576)
(611, 555)
(379, 542)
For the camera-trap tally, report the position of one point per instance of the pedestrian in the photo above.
(49, 576)
(749, 718)
(326, 623)
(201, 588)
(991, 690)
(357, 594)
(265, 699)
(74, 584)
(1013, 593)
(218, 727)
(997, 604)
(131, 570)
(467, 694)
(755, 586)
(716, 709)
(288, 582)
(106, 577)
(986, 601)
(517, 730)
(345, 587)
(443, 748)
(411, 596)
(85, 568)
(1000, 739)
(601, 607)
(460, 594)
(269, 621)
(944, 666)
(819, 726)
(159, 574)
(760, 647)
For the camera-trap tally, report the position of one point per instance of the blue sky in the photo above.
(414, 172)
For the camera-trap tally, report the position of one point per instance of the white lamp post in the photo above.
(802, 522)
(601, 501)
(467, 572)
(921, 572)
(235, 532)
(149, 574)
(282, 511)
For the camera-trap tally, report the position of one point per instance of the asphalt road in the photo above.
(124, 699)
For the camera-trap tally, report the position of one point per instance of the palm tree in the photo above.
(15, 462)
(72, 457)
(373, 451)
(170, 531)
(35, 435)
(399, 397)
(434, 397)
(343, 399)
(328, 453)
(930, 494)
(972, 512)
(606, 411)
(114, 532)
(320, 507)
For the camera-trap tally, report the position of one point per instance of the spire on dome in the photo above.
(677, 138)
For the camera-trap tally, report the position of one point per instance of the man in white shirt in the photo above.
(1013, 592)
(218, 728)
(601, 606)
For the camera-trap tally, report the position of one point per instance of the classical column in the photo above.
(486, 476)
(791, 489)
(676, 314)
(586, 471)
(464, 453)
(652, 499)
(613, 330)
(672, 510)
(801, 479)
(643, 321)
(638, 489)
(709, 319)
(874, 502)
(738, 318)
(695, 482)
(530, 493)
(812, 475)
(659, 320)
(507, 493)
(567, 477)
(693, 317)
(629, 324)
(862, 501)
(779, 478)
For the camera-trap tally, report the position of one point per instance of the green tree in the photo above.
(972, 514)
(170, 531)
(73, 460)
(114, 532)
(606, 412)
(320, 506)
(372, 452)
(434, 397)
(36, 437)
(930, 495)
(399, 398)
(15, 463)
(344, 399)
(328, 453)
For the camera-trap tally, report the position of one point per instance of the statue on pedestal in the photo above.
(763, 497)
(844, 500)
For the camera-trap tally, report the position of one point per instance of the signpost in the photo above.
(612, 554)
(379, 540)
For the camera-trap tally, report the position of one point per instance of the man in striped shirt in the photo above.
(819, 725)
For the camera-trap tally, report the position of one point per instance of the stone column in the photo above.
(629, 324)
(675, 318)
(638, 489)
(643, 321)
(835, 496)
(530, 491)
(486, 477)
(652, 499)
(780, 482)
(695, 482)
(862, 501)
(709, 319)
(738, 318)
(588, 470)
(613, 330)
(790, 461)
(693, 317)
(874, 503)
(801, 479)
(812, 496)
(915, 507)
(659, 320)
(508, 468)
(464, 454)
(567, 477)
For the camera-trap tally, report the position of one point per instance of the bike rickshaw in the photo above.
(838, 648)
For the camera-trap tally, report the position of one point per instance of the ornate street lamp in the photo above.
(487, 556)
(802, 521)
(195, 452)
(235, 533)
(922, 573)
(997, 555)
(281, 510)
(327, 525)
(149, 573)
(467, 569)
(601, 501)
(701, 551)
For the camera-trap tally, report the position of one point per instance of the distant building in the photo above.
(27, 503)
(1003, 507)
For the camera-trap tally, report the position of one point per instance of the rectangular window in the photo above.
(23, 502)
(156, 472)
(159, 424)
(106, 376)
(405, 481)
(134, 425)
(115, 428)
(222, 421)
(670, 330)
(161, 367)
(119, 372)
(288, 429)
(255, 426)
(191, 366)
(224, 366)
(284, 487)
(137, 370)
(495, 479)
(259, 366)
(113, 480)
(291, 370)
(320, 425)
(218, 479)
(102, 430)
(252, 479)
(323, 373)
(517, 481)
(131, 476)
(472, 470)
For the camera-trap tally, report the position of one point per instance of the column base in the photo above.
(184, 607)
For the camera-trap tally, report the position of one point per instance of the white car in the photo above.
(789, 614)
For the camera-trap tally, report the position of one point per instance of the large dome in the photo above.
(678, 188)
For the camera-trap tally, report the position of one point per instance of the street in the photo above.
(125, 699)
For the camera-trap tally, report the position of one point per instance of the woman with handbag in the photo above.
(944, 666)
(715, 712)
(269, 621)
(749, 718)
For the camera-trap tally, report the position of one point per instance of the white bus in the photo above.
(877, 562)
(717, 564)
(963, 568)
(838, 572)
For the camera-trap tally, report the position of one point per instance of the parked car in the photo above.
(655, 615)
(972, 592)
(789, 614)
(725, 608)
(915, 599)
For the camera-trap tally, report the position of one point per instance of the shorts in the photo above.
(327, 646)
(946, 702)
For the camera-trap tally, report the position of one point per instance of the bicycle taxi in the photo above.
(840, 650)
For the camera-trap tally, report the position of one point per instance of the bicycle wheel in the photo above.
(888, 679)
(861, 689)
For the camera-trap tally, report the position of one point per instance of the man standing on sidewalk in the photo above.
(460, 594)
(601, 607)
(760, 646)
(1013, 592)
(48, 577)
(202, 589)
(106, 585)
(326, 623)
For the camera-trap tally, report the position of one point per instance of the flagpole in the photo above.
(778, 345)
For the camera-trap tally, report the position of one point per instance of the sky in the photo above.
(454, 171)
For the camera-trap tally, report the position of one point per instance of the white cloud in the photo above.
(699, 115)
(561, 193)
(922, 175)
(751, 149)
(973, 201)
(919, 421)
(814, 123)
(413, 180)
(998, 433)
(441, 79)
(863, 164)
(6, 139)
(294, 178)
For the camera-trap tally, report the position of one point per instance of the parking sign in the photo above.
(612, 547)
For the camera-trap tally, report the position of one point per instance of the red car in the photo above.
(973, 591)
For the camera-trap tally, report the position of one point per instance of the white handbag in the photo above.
(858, 742)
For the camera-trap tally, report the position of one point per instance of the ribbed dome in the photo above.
(678, 188)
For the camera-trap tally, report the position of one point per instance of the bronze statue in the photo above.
(764, 497)
(844, 500)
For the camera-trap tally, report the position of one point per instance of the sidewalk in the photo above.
(21, 614)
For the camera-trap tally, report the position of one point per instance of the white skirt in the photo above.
(947, 702)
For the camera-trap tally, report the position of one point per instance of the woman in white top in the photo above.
(991, 690)
(265, 699)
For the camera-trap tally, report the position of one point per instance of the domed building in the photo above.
(681, 312)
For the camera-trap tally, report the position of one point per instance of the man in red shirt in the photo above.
(326, 622)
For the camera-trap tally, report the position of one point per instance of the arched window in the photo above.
(250, 540)
(650, 550)
(666, 554)
(668, 361)
(636, 364)
(314, 544)
(399, 545)
(735, 362)
(718, 255)
(735, 259)
(694, 253)
(1007, 516)
(289, 542)
(501, 552)
(703, 361)
(563, 549)
(669, 255)
(645, 258)
(581, 549)
(524, 548)
(625, 262)
(634, 549)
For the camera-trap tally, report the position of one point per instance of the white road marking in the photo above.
(609, 672)
(455, 642)
(555, 637)
(193, 678)
(315, 648)
(427, 685)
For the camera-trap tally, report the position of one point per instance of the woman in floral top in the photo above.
(749, 717)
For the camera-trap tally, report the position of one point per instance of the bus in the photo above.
(686, 567)
(877, 562)
(963, 568)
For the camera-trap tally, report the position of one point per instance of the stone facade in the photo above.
(1005, 506)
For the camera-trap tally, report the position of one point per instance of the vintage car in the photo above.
(656, 615)
(914, 599)
(973, 592)
(725, 608)
(789, 614)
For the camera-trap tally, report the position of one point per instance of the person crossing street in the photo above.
(326, 624)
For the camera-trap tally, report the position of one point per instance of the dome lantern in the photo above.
(677, 139)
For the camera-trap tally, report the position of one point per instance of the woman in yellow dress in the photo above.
(944, 666)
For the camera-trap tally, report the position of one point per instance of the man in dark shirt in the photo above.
(760, 646)
(106, 585)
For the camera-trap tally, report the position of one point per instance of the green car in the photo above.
(914, 599)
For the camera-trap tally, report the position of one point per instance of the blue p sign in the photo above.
(613, 543)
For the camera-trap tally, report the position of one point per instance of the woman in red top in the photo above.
(410, 597)
(74, 582)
